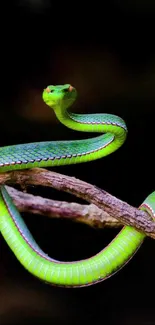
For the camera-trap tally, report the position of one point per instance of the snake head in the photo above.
(61, 96)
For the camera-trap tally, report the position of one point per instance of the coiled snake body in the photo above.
(44, 154)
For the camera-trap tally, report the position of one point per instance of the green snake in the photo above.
(45, 154)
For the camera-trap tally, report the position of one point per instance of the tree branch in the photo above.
(115, 208)
(88, 214)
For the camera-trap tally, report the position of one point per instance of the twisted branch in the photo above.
(103, 209)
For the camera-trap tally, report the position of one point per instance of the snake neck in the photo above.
(99, 123)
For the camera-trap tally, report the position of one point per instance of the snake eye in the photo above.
(69, 89)
(48, 90)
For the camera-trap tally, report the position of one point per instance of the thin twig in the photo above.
(122, 211)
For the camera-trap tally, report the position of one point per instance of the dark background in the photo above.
(106, 50)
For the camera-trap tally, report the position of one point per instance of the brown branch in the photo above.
(122, 211)
(88, 214)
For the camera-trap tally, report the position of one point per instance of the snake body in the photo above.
(47, 154)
